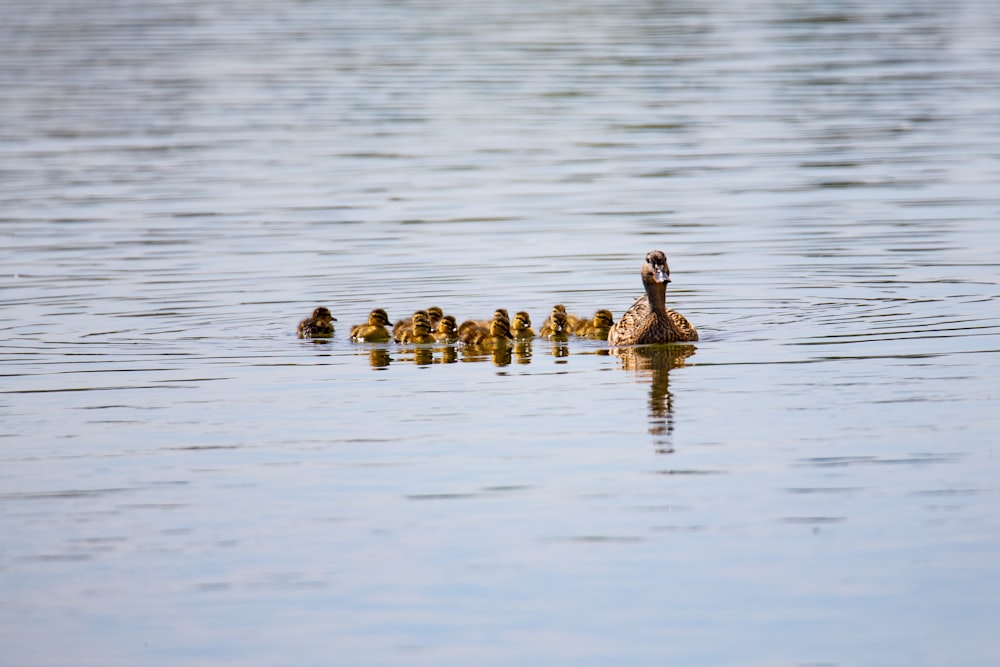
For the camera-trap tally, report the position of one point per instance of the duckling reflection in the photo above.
(379, 358)
(656, 362)
(373, 332)
(317, 325)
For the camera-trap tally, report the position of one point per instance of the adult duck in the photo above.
(649, 320)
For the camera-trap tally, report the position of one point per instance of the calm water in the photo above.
(182, 481)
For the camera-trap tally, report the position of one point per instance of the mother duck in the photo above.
(649, 320)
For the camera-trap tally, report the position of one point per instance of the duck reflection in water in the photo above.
(655, 362)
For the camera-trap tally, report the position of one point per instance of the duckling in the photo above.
(598, 327)
(400, 327)
(446, 330)
(521, 326)
(374, 331)
(546, 329)
(557, 329)
(317, 325)
(572, 321)
(467, 330)
(497, 334)
(498, 337)
(649, 320)
(434, 314)
(420, 332)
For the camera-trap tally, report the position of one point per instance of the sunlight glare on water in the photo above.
(183, 479)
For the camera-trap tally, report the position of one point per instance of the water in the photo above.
(183, 481)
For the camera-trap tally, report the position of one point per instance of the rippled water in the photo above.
(184, 481)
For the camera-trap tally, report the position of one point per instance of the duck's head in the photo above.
(656, 266)
(323, 313)
(521, 321)
(378, 317)
(501, 314)
(559, 321)
(422, 327)
(434, 314)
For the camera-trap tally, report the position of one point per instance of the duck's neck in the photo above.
(656, 294)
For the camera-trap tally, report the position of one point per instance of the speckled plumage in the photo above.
(318, 325)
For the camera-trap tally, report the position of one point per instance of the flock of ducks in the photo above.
(647, 321)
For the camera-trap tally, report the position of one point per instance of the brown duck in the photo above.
(649, 320)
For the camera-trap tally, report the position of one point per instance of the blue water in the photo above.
(182, 480)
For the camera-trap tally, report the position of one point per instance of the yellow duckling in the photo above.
(420, 332)
(317, 325)
(446, 330)
(572, 321)
(649, 320)
(557, 330)
(498, 333)
(402, 326)
(375, 331)
(598, 327)
(521, 326)
(434, 314)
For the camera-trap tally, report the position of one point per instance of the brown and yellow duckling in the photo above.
(496, 336)
(520, 328)
(402, 326)
(446, 330)
(572, 321)
(317, 325)
(434, 314)
(558, 328)
(597, 327)
(649, 320)
(375, 331)
(419, 332)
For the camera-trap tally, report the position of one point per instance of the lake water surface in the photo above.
(183, 481)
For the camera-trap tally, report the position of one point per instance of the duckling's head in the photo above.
(603, 318)
(447, 325)
(323, 313)
(522, 319)
(559, 308)
(559, 321)
(656, 266)
(378, 317)
(417, 314)
(434, 314)
(501, 314)
(422, 327)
